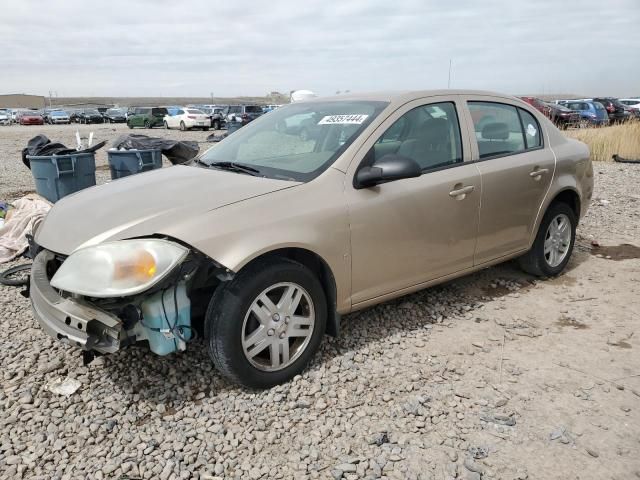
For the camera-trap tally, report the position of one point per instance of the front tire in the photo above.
(183, 127)
(166, 126)
(554, 242)
(264, 327)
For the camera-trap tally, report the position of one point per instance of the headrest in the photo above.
(495, 131)
(436, 130)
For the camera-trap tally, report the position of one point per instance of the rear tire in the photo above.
(538, 261)
(147, 124)
(129, 125)
(216, 125)
(230, 313)
(166, 126)
(183, 127)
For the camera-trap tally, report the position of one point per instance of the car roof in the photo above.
(403, 96)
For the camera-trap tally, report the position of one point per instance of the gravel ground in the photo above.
(492, 376)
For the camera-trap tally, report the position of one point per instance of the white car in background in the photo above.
(633, 103)
(188, 118)
(5, 117)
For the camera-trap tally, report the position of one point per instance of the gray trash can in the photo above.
(57, 176)
(123, 163)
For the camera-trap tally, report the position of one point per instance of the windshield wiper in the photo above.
(235, 167)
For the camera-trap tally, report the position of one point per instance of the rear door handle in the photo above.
(461, 192)
(538, 172)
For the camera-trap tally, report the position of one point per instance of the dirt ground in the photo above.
(496, 375)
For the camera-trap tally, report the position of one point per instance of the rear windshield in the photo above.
(159, 111)
(194, 111)
(92, 112)
(253, 109)
(115, 111)
(598, 106)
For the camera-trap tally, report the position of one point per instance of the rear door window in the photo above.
(498, 129)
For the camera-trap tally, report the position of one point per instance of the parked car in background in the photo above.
(562, 117)
(538, 104)
(618, 112)
(87, 116)
(591, 113)
(5, 117)
(30, 118)
(114, 115)
(147, 117)
(242, 113)
(56, 117)
(254, 234)
(633, 103)
(216, 116)
(187, 119)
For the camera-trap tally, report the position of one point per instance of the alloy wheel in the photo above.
(557, 240)
(278, 326)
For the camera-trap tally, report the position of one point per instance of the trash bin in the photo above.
(129, 162)
(57, 176)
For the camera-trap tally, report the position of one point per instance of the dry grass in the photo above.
(604, 142)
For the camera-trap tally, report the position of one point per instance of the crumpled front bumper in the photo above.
(69, 320)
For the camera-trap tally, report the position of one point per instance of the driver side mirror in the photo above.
(387, 169)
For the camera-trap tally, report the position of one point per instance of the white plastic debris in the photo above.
(65, 387)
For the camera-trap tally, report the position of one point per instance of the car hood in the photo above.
(146, 204)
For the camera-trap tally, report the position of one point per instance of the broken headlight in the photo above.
(118, 269)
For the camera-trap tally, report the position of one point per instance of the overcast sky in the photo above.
(192, 48)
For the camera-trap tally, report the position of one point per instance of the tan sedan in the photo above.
(312, 211)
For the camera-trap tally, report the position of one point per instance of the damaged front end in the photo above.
(163, 315)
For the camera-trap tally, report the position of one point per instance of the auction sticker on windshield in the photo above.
(343, 119)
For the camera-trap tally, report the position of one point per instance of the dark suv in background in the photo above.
(114, 115)
(242, 113)
(147, 117)
(88, 115)
(618, 112)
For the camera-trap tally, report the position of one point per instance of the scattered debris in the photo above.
(65, 387)
(507, 420)
(478, 452)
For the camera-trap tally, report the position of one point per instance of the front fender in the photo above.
(312, 217)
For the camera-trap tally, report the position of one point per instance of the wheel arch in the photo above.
(569, 195)
(319, 267)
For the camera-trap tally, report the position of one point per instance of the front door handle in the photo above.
(538, 172)
(459, 192)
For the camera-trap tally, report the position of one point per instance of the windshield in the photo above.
(115, 111)
(92, 112)
(253, 109)
(58, 113)
(298, 141)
